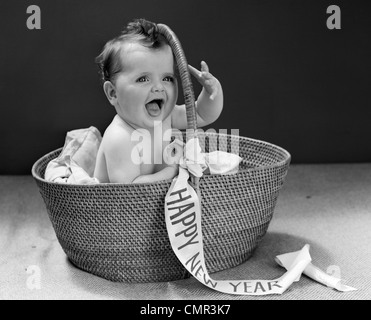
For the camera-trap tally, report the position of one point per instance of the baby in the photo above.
(138, 70)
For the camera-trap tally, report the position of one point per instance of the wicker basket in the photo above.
(118, 231)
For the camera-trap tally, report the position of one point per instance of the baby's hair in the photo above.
(141, 31)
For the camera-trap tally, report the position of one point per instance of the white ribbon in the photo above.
(183, 222)
(286, 260)
(193, 160)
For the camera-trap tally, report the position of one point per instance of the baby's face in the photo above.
(146, 89)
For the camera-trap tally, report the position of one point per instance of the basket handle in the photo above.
(189, 97)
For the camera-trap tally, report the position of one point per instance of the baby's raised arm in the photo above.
(209, 104)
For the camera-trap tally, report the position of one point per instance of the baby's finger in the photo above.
(196, 73)
(204, 66)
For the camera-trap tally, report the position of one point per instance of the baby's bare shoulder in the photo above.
(117, 136)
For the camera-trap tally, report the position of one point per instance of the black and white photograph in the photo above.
(186, 155)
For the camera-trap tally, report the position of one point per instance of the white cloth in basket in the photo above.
(76, 162)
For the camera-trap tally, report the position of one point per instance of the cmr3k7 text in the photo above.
(206, 309)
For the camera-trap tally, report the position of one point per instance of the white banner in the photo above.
(183, 222)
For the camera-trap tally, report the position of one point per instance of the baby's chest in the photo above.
(152, 156)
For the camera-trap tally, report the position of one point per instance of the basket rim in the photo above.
(287, 159)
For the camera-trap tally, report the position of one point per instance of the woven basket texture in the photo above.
(118, 231)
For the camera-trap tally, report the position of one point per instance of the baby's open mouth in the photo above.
(154, 107)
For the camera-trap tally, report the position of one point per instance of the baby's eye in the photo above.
(169, 79)
(142, 79)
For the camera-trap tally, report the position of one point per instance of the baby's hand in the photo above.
(206, 79)
(173, 152)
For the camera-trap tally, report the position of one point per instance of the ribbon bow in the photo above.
(190, 157)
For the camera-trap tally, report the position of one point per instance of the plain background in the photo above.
(287, 78)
